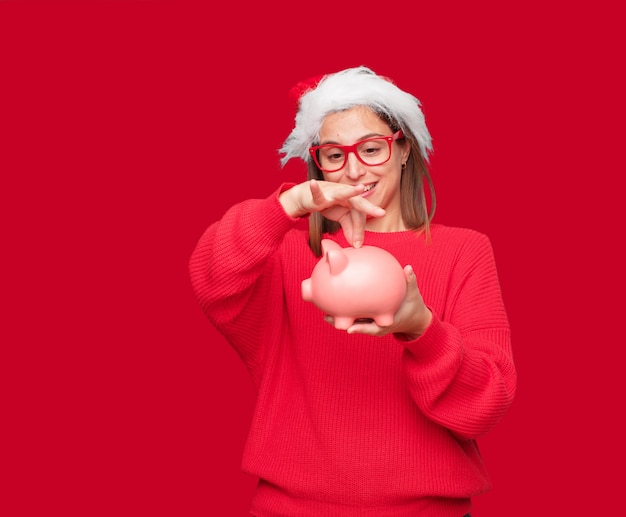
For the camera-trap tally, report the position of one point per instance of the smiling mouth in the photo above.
(369, 187)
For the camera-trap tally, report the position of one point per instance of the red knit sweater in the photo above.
(353, 425)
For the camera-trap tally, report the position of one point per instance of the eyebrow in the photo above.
(365, 137)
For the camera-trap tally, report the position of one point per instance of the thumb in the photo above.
(411, 279)
(409, 274)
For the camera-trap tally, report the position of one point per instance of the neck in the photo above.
(391, 222)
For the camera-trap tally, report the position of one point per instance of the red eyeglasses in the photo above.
(371, 151)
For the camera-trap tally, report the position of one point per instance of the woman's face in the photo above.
(382, 182)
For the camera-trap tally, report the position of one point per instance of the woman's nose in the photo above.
(354, 169)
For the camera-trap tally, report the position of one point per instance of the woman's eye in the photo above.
(371, 150)
(334, 156)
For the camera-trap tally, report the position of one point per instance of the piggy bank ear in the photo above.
(327, 245)
(337, 261)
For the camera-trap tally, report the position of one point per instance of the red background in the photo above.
(128, 127)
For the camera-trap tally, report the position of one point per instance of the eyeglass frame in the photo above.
(347, 149)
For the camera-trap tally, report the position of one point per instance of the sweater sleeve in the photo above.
(235, 272)
(461, 372)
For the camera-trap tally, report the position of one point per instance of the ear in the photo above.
(337, 261)
(328, 244)
(406, 150)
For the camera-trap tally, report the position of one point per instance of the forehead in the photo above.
(352, 124)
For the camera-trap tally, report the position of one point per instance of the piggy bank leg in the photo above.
(384, 320)
(343, 322)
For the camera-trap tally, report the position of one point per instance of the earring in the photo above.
(403, 166)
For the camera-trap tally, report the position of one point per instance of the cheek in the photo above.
(393, 169)
(334, 178)
(392, 179)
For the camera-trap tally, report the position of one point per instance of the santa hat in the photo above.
(319, 96)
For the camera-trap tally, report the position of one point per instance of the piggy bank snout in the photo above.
(307, 294)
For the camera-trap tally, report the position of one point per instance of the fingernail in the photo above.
(357, 244)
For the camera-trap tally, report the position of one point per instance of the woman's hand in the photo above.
(410, 321)
(335, 201)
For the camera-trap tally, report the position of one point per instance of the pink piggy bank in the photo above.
(354, 283)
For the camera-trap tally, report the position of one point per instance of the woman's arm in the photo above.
(461, 371)
(235, 273)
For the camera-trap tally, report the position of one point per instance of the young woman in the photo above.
(371, 421)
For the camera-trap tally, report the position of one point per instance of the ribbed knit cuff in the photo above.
(274, 211)
(434, 343)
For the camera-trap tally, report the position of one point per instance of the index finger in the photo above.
(361, 204)
(333, 193)
(358, 219)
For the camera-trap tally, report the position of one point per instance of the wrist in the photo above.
(289, 201)
(417, 330)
